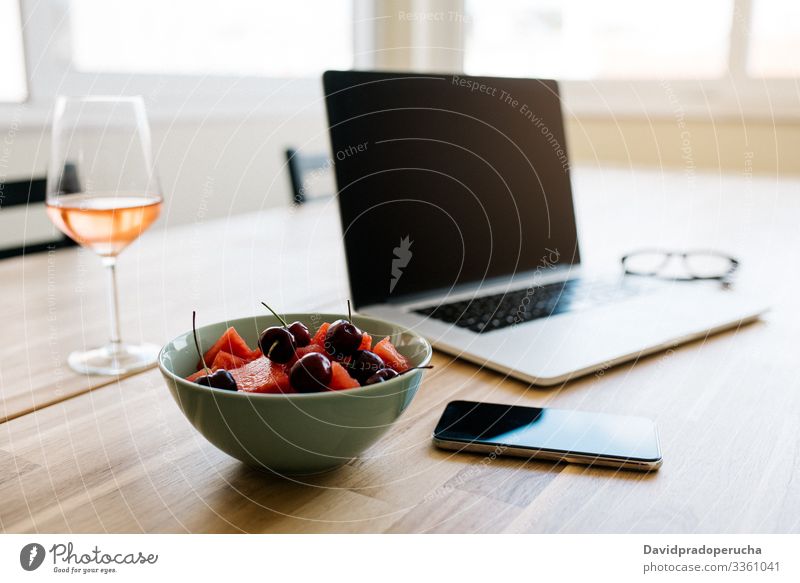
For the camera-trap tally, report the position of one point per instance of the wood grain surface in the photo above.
(122, 458)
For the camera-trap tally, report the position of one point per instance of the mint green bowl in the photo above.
(296, 433)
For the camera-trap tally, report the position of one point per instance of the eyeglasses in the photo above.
(681, 265)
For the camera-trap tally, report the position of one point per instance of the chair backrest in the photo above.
(24, 225)
(311, 175)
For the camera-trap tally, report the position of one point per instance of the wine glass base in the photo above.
(117, 360)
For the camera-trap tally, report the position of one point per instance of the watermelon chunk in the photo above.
(319, 337)
(302, 351)
(196, 375)
(221, 360)
(262, 376)
(393, 359)
(366, 342)
(341, 379)
(232, 343)
(227, 361)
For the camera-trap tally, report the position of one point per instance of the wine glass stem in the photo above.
(115, 342)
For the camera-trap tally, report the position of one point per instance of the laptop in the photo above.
(458, 222)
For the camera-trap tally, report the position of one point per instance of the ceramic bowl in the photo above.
(293, 433)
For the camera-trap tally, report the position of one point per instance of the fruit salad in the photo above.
(290, 359)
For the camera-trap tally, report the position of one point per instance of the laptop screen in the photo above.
(447, 180)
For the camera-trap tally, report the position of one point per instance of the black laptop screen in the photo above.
(447, 180)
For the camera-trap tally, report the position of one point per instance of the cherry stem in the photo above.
(197, 343)
(274, 313)
(349, 313)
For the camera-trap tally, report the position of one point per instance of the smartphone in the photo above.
(560, 435)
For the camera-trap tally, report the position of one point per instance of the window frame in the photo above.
(26, 90)
(735, 95)
(50, 72)
(377, 28)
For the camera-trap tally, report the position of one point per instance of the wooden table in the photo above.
(91, 454)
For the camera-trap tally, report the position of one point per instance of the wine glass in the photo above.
(103, 192)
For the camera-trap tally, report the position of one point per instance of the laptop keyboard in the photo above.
(494, 312)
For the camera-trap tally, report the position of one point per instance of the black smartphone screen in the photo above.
(556, 430)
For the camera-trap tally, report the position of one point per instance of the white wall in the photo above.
(223, 168)
(217, 167)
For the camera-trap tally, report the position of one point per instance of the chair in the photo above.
(24, 225)
(311, 176)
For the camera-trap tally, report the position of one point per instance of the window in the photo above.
(217, 37)
(645, 57)
(14, 86)
(775, 39)
(587, 39)
(231, 57)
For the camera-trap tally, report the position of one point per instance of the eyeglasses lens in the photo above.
(646, 263)
(707, 265)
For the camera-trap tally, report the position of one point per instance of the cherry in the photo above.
(343, 337)
(219, 379)
(364, 364)
(386, 374)
(277, 344)
(302, 337)
(311, 374)
(381, 376)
